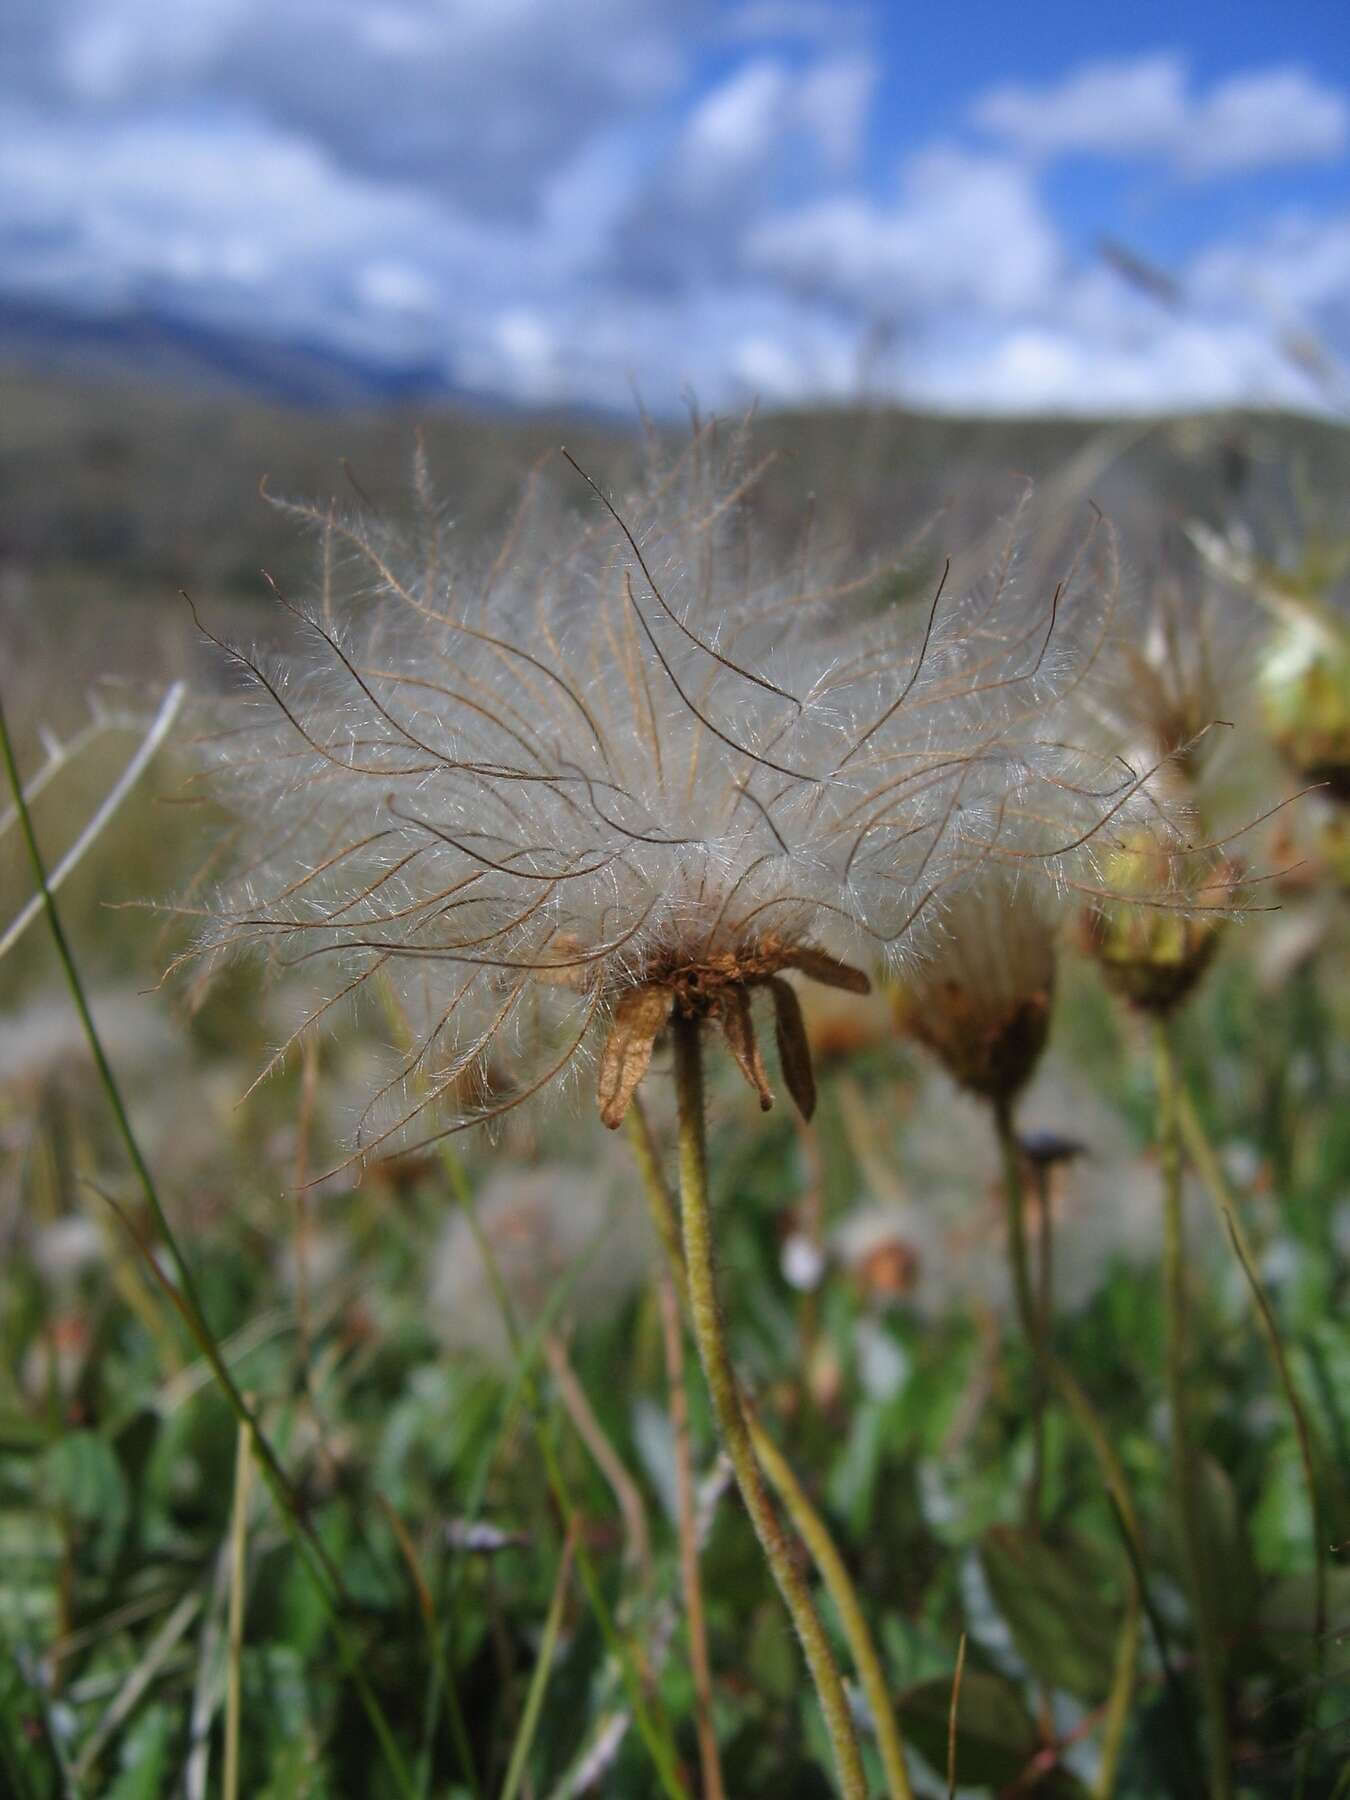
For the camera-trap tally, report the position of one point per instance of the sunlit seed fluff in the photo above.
(632, 764)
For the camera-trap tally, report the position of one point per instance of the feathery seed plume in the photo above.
(629, 767)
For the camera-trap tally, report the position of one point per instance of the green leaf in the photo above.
(1228, 1561)
(1287, 1618)
(84, 1483)
(144, 1760)
(1063, 1622)
(853, 1479)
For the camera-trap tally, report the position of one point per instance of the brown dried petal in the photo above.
(638, 1019)
(828, 970)
(739, 1029)
(794, 1049)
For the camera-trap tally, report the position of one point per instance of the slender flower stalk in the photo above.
(810, 1526)
(1190, 1519)
(981, 1003)
(1075, 1397)
(1057, 1371)
(710, 1335)
(814, 1533)
(1206, 1164)
(1121, 1697)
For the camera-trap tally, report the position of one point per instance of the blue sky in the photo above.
(553, 202)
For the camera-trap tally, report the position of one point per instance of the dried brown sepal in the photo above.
(738, 1027)
(827, 970)
(639, 1018)
(794, 1048)
(716, 985)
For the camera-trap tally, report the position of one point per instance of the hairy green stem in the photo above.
(710, 1337)
(1209, 1652)
(811, 1527)
(814, 1533)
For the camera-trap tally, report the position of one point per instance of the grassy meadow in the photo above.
(452, 1553)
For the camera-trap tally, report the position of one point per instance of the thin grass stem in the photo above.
(627, 1494)
(1207, 1166)
(1121, 1696)
(710, 1762)
(655, 1733)
(313, 1554)
(234, 1685)
(543, 1668)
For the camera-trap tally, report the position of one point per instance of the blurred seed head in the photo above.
(1304, 680)
(545, 1226)
(980, 1001)
(1156, 926)
(940, 1244)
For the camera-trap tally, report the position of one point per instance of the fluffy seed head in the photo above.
(631, 764)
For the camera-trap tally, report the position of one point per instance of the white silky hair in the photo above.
(633, 739)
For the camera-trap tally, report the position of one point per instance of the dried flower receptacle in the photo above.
(719, 990)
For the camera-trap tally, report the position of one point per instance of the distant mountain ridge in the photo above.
(152, 345)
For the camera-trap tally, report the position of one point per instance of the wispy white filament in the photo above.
(629, 743)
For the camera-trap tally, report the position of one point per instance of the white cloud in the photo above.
(475, 97)
(833, 104)
(1141, 107)
(965, 230)
(1111, 108)
(808, 21)
(546, 204)
(732, 132)
(1258, 121)
(744, 126)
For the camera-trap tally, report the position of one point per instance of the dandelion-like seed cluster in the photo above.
(634, 766)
